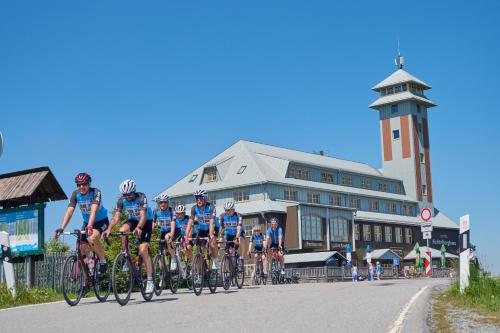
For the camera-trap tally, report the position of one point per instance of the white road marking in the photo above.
(398, 324)
(30, 306)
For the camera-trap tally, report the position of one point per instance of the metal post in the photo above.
(464, 240)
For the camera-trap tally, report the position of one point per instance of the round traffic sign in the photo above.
(426, 214)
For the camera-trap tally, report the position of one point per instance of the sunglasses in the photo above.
(82, 184)
(128, 194)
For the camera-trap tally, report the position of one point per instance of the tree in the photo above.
(56, 246)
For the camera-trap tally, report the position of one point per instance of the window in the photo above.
(212, 198)
(242, 169)
(395, 134)
(390, 91)
(339, 229)
(356, 203)
(382, 187)
(366, 183)
(312, 228)
(211, 175)
(408, 238)
(388, 234)
(346, 180)
(424, 189)
(383, 92)
(335, 200)
(397, 89)
(408, 210)
(419, 110)
(421, 158)
(179, 202)
(298, 173)
(313, 197)
(326, 178)
(404, 87)
(290, 194)
(377, 233)
(367, 232)
(241, 195)
(392, 207)
(397, 188)
(374, 205)
(394, 108)
(356, 232)
(398, 234)
(193, 178)
(248, 224)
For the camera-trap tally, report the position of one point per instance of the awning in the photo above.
(311, 257)
(434, 254)
(383, 254)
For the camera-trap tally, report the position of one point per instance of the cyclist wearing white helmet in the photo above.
(232, 227)
(140, 221)
(274, 239)
(204, 214)
(164, 217)
(257, 243)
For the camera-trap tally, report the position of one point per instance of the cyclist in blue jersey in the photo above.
(140, 222)
(232, 226)
(95, 217)
(203, 214)
(164, 217)
(274, 239)
(257, 244)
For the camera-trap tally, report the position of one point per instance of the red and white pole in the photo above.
(428, 262)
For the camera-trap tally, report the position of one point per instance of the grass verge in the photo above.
(25, 296)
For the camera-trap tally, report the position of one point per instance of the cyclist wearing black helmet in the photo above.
(95, 216)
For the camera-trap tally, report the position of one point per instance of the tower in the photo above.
(403, 109)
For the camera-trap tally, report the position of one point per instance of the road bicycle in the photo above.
(201, 267)
(232, 268)
(275, 267)
(258, 274)
(166, 272)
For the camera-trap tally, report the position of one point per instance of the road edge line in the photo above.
(398, 324)
(30, 305)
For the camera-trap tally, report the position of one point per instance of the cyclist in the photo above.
(181, 223)
(164, 217)
(257, 243)
(204, 214)
(140, 222)
(274, 239)
(232, 226)
(95, 217)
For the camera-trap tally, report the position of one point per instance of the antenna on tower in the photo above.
(399, 61)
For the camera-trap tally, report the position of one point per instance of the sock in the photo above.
(103, 261)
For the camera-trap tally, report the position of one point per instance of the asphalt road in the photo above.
(318, 307)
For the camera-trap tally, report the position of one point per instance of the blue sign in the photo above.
(368, 248)
(348, 248)
(395, 262)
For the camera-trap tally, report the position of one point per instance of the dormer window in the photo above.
(210, 175)
(193, 178)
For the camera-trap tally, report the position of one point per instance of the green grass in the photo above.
(26, 296)
(483, 294)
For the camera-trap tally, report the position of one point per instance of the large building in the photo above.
(325, 203)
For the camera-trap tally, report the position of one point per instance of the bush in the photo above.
(26, 296)
(56, 246)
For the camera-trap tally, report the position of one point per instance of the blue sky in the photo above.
(154, 90)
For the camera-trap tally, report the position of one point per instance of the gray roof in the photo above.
(439, 220)
(383, 254)
(402, 96)
(310, 257)
(399, 76)
(266, 163)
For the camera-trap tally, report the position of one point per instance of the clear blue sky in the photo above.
(153, 90)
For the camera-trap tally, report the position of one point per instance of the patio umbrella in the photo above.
(418, 264)
(443, 256)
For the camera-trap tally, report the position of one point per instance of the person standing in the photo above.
(354, 273)
(372, 272)
(379, 270)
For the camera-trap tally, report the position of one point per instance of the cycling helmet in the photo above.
(83, 178)
(200, 193)
(274, 220)
(180, 209)
(229, 205)
(162, 198)
(256, 227)
(127, 186)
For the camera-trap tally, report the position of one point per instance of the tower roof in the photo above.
(404, 96)
(400, 76)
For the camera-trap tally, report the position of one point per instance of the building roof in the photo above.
(29, 187)
(260, 206)
(439, 220)
(399, 76)
(434, 254)
(400, 97)
(311, 257)
(383, 254)
(266, 163)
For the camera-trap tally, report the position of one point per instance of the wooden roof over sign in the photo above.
(29, 187)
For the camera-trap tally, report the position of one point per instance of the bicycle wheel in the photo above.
(226, 274)
(274, 272)
(197, 271)
(159, 274)
(258, 273)
(142, 274)
(213, 277)
(102, 283)
(174, 273)
(121, 279)
(72, 280)
(240, 273)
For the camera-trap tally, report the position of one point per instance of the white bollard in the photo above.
(464, 252)
(8, 267)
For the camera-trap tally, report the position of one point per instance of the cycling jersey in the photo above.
(258, 241)
(231, 223)
(274, 235)
(202, 216)
(182, 225)
(163, 218)
(135, 207)
(85, 202)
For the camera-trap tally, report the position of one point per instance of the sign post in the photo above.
(6, 257)
(426, 228)
(464, 251)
